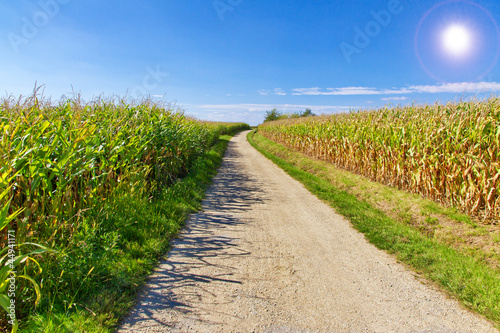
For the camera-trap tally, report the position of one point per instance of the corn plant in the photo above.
(449, 153)
(57, 161)
(10, 261)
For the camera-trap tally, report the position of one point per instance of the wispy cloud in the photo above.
(461, 87)
(456, 88)
(348, 91)
(254, 113)
(280, 92)
(389, 99)
(267, 107)
(276, 91)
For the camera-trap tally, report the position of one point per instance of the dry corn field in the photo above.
(449, 153)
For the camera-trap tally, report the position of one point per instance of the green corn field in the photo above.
(449, 153)
(56, 161)
(65, 170)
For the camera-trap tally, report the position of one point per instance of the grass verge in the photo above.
(465, 276)
(94, 284)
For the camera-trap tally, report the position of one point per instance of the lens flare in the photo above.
(457, 40)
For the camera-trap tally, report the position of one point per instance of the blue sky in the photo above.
(232, 60)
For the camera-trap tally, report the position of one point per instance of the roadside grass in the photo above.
(440, 243)
(116, 247)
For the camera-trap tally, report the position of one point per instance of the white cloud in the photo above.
(280, 92)
(307, 91)
(276, 91)
(347, 91)
(388, 99)
(267, 107)
(253, 114)
(455, 88)
(460, 87)
(352, 91)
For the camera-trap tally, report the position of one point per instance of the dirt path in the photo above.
(265, 255)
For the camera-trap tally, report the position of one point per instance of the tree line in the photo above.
(274, 114)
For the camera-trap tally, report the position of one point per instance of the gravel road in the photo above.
(265, 255)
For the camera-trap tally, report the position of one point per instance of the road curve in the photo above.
(265, 255)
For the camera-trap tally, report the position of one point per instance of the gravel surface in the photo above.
(265, 255)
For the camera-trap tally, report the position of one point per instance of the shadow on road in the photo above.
(180, 280)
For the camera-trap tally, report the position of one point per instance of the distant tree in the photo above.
(272, 115)
(276, 115)
(307, 113)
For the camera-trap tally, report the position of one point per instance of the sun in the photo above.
(457, 40)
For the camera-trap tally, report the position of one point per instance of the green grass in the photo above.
(473, 282)
(119, 243)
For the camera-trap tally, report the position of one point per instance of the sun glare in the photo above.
(457, 40)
